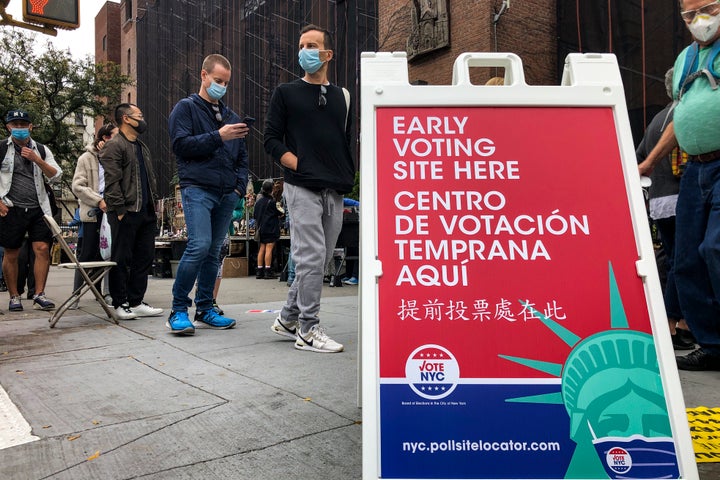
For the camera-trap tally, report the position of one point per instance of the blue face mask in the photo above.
(638, 456)
(310, 59)
(216, 91)
(21, 133)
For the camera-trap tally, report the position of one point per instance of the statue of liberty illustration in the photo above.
(612, 391)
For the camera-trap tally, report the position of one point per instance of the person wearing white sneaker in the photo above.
(307, 130)
(145, 310)
(316, 340)
(129, 186)
(123, 312)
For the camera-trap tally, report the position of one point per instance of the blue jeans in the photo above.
(697, 252)
(207, 217)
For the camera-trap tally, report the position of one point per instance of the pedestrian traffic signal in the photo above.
(59, 13)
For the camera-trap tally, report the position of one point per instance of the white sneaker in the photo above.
(316, 340)
(123, 312)
(289, 331)
(145, 310)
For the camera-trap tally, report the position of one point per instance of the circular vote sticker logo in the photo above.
(619, 460)
(432, 372)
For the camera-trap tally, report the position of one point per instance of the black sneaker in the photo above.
(269, 274)
(680, 343)
(699, 360)
(3, 286)
(686, 335)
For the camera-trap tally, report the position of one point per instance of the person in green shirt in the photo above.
(694, 129)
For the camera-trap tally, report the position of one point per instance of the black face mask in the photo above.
(141, 126)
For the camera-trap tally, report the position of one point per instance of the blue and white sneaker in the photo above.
(350, 281)
(214, 320)
(16, 304)
(41, 302)
(179, 323)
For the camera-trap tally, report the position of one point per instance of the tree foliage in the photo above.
(55, 89)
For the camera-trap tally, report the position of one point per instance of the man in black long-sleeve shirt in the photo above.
(307, 130)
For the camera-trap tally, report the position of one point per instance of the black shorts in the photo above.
(20, 221)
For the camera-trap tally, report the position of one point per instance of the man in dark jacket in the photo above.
(307, 130)
(129, 187)
(212, 162)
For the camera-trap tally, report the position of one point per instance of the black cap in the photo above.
(14, 115)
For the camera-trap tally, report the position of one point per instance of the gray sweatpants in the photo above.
(315, 223)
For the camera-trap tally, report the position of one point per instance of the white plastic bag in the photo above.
(105, 239)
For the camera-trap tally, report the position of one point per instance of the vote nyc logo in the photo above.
(432, 372)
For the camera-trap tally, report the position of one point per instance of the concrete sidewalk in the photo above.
(224, 404)
(134, 401)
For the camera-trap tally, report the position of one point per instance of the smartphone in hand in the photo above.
(248, 121)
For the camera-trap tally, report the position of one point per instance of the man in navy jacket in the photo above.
(212, 163)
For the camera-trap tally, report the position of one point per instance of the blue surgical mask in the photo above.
(21, 133)
(216, 91)
(310, 59)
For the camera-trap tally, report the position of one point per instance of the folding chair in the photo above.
(341, 258)
(100, 270)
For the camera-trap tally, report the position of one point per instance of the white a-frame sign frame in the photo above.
(512, 319)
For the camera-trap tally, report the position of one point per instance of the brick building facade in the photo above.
(107, 31)
(472, 29)
(161, 45)
(645, 36)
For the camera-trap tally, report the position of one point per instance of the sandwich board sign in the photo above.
(511, 314)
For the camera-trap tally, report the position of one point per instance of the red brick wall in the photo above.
(527, 29)
(128, 54)
(107, 25)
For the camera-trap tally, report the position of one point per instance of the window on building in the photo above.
(104, 43)
(128, 10)
(129, 100)
(129, 56)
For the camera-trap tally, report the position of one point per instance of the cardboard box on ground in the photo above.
(235, 267)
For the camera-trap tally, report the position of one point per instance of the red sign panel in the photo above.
(509, 258)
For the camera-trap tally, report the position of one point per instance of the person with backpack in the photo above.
(697, 215)
(23, 203)
(662, 199)
(307, 131)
